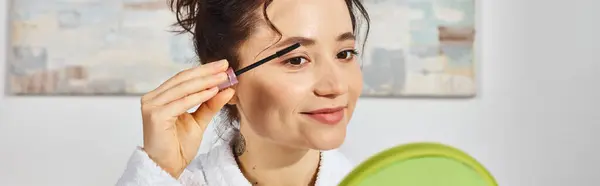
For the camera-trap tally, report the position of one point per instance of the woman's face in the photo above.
(305, 98)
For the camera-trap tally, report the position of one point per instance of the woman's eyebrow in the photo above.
(346, 36)
(287, 42)
(304, 41)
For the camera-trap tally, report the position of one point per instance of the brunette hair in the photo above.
(218, 27)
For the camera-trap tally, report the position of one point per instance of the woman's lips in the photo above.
(329, 116)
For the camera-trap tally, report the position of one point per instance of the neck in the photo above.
(264, 162)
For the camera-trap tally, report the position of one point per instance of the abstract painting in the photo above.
(420, 48)
(93, 47)
(125, 47)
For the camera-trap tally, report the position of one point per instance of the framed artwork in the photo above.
(124, 47)
(420, 48)
(93, 47)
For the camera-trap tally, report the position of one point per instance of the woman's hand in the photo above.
(172, 136)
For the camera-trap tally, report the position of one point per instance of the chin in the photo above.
(327, 140)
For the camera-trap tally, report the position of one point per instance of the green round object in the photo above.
(420, 164)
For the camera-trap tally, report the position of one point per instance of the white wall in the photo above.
(534, 122)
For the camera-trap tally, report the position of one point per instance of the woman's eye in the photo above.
(296, 61)
(347, 54)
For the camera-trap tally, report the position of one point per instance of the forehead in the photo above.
(321, 20)
(310, 17)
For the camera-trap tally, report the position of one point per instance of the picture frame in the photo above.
(415, 48)
(420, 48)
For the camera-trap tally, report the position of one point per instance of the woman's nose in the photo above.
(331, 82)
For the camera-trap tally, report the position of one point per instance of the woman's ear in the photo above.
(234, 98)
(232, 101)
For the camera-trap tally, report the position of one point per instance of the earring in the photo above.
(239, 146)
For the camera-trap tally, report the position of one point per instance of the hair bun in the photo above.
(186, 13)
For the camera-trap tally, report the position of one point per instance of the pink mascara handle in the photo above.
(231, 80)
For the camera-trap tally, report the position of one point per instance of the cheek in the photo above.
(356, 82)
(252, 98)
(268, 99)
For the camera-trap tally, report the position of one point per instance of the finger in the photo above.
(188, 87)
(184, 104)
(200, 71)
(210, 108)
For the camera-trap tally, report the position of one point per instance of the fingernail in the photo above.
(222, 76)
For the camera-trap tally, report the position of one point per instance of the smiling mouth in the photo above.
(328, 116)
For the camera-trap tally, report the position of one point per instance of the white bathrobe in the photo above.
(219, 168)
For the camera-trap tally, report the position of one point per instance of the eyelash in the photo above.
(353, 53)
(287, 62)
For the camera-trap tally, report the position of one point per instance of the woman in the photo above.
(285, 117)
